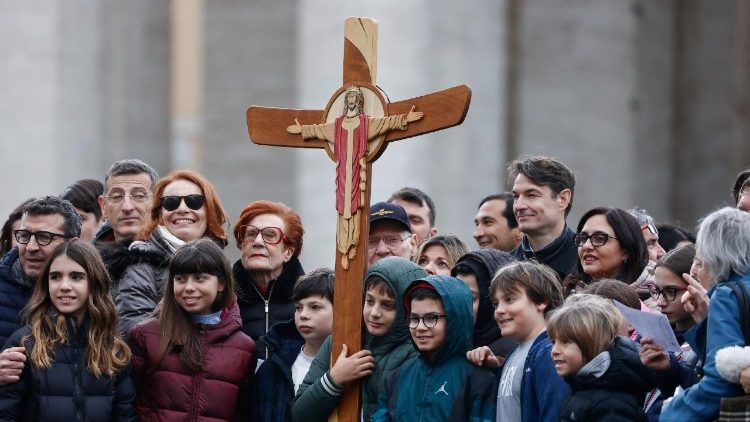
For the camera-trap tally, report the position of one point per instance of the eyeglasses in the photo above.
(651, 228)
(172, 202)
(597, 239)
(429, 320)
(391, 241)
(119, 197)
(43, 238)
(270, 235)
(670, 293)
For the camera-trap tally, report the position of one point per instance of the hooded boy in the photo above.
(441, 385)
(319, 394)
(476, 269)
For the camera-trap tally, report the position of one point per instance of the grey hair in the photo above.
(723, 243)
(642, 216)
(131, 166)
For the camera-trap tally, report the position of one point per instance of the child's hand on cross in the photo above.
(351, 368)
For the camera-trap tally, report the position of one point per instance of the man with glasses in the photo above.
(390, 233)
(126, 202)
(650, 233)
(46, 223)
(542, 198)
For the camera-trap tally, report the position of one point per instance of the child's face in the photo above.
(671, 288)
(567, 356)
(517, 316)
(471, 281)
(69, 287)
(428, 339)
(313, 317)
(379, 311)
(196, 293)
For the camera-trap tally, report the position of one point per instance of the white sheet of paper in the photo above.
(651, 325)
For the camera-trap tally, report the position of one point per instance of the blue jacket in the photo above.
(272, 384)
(721, 329)
(448, 387)
(15, 292)
(542, 390)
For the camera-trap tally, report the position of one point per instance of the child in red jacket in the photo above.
(194, 361)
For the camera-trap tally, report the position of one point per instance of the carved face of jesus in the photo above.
(352, 104)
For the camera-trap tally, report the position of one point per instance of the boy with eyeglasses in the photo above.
(440, 385)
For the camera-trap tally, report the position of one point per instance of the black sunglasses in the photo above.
(172, 202)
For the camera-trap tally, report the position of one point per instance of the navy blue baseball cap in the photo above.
(386, 211)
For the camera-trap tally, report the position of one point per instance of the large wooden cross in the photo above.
(354, 129)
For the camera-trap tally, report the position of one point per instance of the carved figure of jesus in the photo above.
(349, 135)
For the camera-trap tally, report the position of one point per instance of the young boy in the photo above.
(441, 385)
(605, 373)
(387, 346)
(293, 345)
(524, 293)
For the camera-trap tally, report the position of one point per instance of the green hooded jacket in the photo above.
(318, 396)
(446, 387)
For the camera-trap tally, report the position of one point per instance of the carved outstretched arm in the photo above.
(323, 132)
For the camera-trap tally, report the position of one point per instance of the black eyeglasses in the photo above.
(597, 239)
(670, 292)
(429, 320)
(43, 238)
(270, 235)
(172, 202)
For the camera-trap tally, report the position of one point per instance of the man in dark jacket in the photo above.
(543, 196)
(46, 223)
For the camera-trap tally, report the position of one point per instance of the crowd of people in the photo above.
(118, 302)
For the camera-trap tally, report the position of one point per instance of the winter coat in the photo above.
(142, 284)
(273, 388)
(117, 258)
(171, 392)
(484, 263)
(15, 292)
(260, 312)
(66, 391)
(318, 395)
(561, 255)
(542, 390)
(611, 387)
(721, 329)
(448, 387)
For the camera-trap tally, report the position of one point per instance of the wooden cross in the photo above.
(354, 129)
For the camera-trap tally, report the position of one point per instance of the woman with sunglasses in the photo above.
(269, 236)
(610, 245)
(185, 208)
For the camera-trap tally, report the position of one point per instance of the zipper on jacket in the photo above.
(266, 303)
(424, 395)
(196, 383)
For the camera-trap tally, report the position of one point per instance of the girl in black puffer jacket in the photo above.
(77, 367)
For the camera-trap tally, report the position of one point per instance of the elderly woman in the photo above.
(269, 235)
(186, 207)
(437, 255)
(610, 245)
(722, 265)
